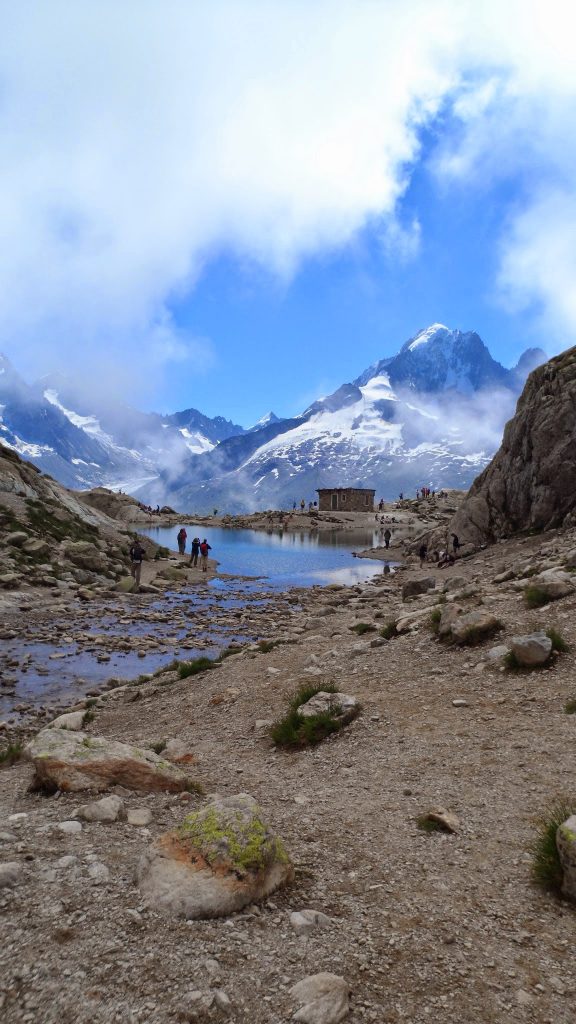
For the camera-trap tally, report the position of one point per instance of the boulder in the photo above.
(74, 761)
(36, 547)
(325, 997)
(127, 585)
(553, 584)
(139, 816)
(444, 820)
(340, 705)
(450, 613)
(10, 873)
(305, 921)
(504, 577)
(73, 720)
(413, 588)
(178, 752)
(474, 627)
(16, 539)
(454, 583)
(220, 859)
(570, 559)
(532, 649)
(566, 845)
(85, 555)
(109, 809)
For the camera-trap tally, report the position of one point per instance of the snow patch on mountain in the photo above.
(426, 335)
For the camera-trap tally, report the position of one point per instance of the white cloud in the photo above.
(140, 139)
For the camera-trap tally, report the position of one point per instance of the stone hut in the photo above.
(346, 499)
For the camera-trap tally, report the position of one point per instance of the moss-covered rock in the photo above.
(220, 859)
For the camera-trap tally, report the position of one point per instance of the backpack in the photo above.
(203, 549)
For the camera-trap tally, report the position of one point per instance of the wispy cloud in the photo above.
(139, 140)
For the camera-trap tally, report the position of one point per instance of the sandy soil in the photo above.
(423, 925)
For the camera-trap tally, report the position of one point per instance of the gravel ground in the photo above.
(423, 925)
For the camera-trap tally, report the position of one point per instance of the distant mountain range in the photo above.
(431, 414)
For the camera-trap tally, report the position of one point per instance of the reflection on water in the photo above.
(286, 558)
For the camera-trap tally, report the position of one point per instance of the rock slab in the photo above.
(218, 861)
(531, 650)
(74, 761)
(342, 706)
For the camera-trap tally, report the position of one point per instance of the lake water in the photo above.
(286, 559)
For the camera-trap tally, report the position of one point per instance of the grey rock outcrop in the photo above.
(531, 481)
(532, 649)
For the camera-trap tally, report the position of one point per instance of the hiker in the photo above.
(195, 551)
(422, 552)
(181, 538)
(456, 545)
(205, 547)
(387, 536)
(302, 505)
(137, 555)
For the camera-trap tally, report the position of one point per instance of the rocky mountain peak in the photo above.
(530, 484)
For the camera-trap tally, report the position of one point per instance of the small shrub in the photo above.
(294, 731)
(558, 642)
(194, 667)
(10, 754)
(229, 651)
(389, 630)
(570, 707)
(159, 746)
(362, 627)
(510, 662)
(194, 787)
(427, 824)
(474, 635)
(91, 702)
(265, 646)
(546, 866)
(435, 616)
(89, 716)
(535, 597)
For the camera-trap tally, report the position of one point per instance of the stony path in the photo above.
(423, 925)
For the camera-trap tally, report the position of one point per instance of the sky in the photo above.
(238, 205)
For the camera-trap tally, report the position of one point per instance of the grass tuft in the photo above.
(546, 866)
(426, 824)
(535, 597)
(473, 635)
(558, 642)
(194, 667)
(293, 731)
(10, 754)
(159, 746)
(570, 707)
(388, 631)
(362, 627)
(435, 616)
(265, 646)
(89, 716)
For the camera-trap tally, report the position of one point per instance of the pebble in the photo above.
(10, 873)
(460, 703)
(139, 816)
(70, 828)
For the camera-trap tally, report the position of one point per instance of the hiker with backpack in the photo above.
(195, 551)
(137, 555)
(181, 538)
(205, 547)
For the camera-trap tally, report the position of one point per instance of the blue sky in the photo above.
(239, 205)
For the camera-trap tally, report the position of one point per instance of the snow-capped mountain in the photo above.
(84, 441)
(433, 415)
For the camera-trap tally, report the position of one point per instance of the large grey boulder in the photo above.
(553, 584)
(531, 650)
(106, 810)
(219, 860)
(85, 555)
(566, 845)
(413, 588)
(475, 627)
(74, 761)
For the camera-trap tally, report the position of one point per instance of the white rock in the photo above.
(460, 703)
(140, 816)
(73, 720)
(70, 828)
(109, 809)
(325, 998)
(98, 872)
(532, 649)
(304, 921)
(340, 705)
(10, 873)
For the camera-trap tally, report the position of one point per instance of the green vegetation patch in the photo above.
(476, 634)
(194, 667)
(427, 824)
(535, 597)
(49, 519)
(570, 707)
(546, 866)
(558, 642)
(362, 627)
(388, 631)
(295, 731)
(435, 616)
(10, 754)
(224, 836)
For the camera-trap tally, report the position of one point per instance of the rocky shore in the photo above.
(411, 923)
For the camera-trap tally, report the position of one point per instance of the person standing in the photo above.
(137, 554)
(205, 547)
(455, 544)
(195, 551)
(387, 538)
(181, 538)
(423, 551)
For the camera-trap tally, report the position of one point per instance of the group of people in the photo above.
(197, 548)
(441, 558)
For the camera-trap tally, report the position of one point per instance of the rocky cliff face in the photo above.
(531, 481)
